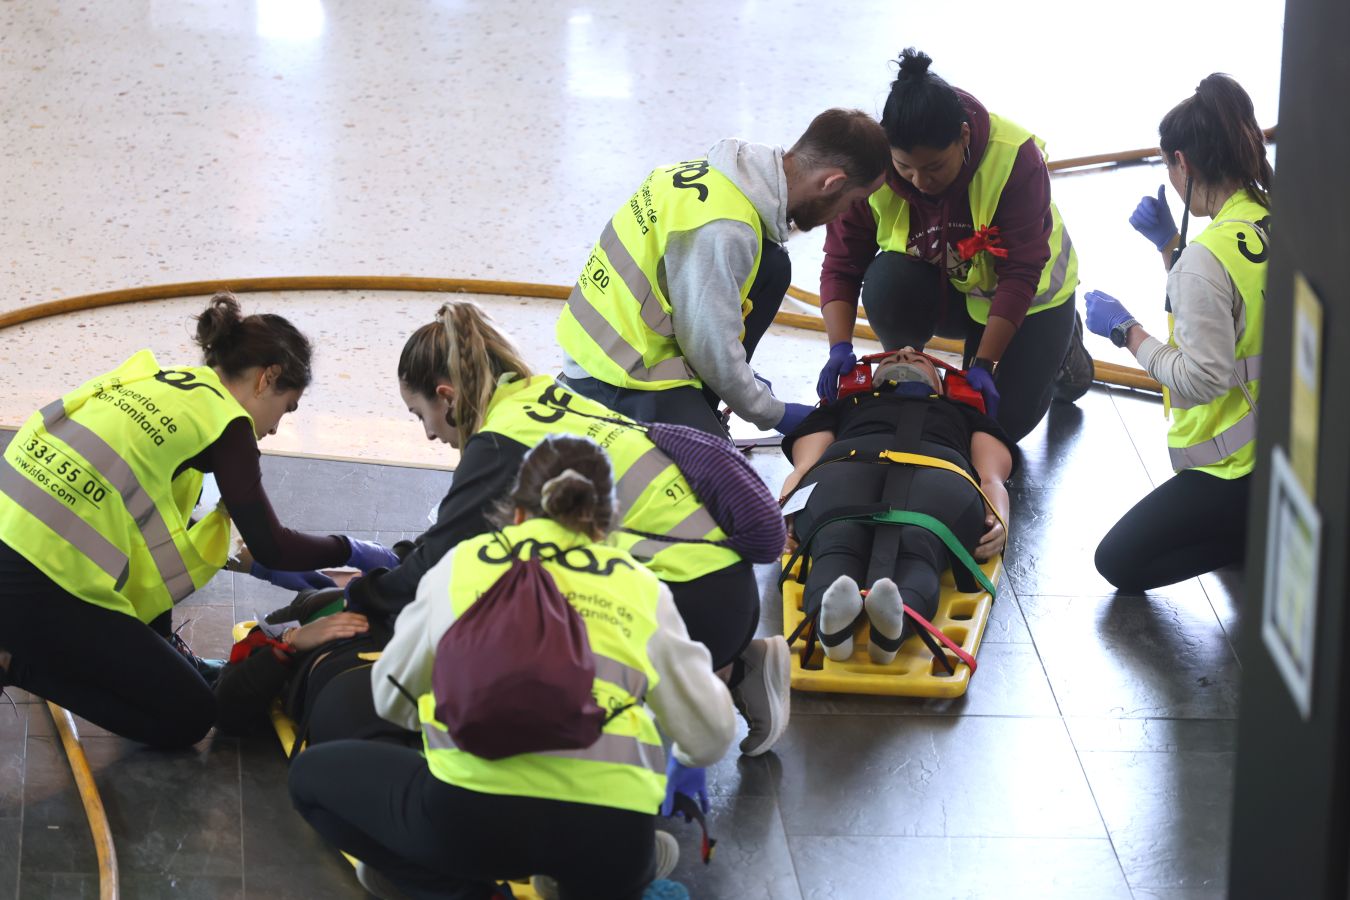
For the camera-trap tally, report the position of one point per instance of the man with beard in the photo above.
(688, 274)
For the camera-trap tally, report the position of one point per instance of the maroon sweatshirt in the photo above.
(937, 224)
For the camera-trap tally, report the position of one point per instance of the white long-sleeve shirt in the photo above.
(691, 704)
(1209, 318)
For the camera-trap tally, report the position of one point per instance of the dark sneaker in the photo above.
(376, 884)
(764, 693)
(209, 669)
(1076, 371)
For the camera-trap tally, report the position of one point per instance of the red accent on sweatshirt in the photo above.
(1023, 219)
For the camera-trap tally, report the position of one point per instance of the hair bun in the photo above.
(565, 493)
(913, 64)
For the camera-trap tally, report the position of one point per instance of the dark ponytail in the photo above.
(567, 479)
(922, 109)
(1216, 128)
(233, 343)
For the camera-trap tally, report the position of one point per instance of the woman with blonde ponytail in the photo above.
(470, 388)
(446, 822)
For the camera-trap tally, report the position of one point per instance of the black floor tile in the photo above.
(1152, 735)
(752, 860)
(60, 886)
(283, 856)
(1178, 894)
(160, 886)
(55, 836)
(11, 836)
(325, 495)
(960, 868)
(1168, 815)
(172, 814)
(13, 737)
(1135, 657)
(933, 776)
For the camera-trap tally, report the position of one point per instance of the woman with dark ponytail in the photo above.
(447, 822)
(963, 241)
(98, 538)
(1210, 365)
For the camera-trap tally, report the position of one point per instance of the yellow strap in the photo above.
(932, 462)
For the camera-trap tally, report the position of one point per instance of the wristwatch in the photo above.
(1121, 332)
(983, 363)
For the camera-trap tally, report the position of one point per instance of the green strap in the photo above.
(903, 517)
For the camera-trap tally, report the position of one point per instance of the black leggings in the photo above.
(1191, 524)
(845, 547)
(381, 804)
(697, 407)
(720, 609)
(106, 666)
(903, 299)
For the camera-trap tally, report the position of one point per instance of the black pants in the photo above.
(1191, 524)
(381, 804)
(845, 548)
(903, 297)
(106, 666)
(693, 406)
(720, 609)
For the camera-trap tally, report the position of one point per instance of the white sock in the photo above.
(839, 609)
(887, 613)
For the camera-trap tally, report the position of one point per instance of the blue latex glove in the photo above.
(292, 581)
(841, 362)
(367, 555)
(693, 783)
(793, 413)
(982, 381)
(1153, 219)
(1104, 313)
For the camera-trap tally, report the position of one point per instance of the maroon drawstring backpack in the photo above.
(515, 673)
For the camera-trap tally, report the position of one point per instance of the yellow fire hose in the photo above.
(108, 888)
(1110, 373)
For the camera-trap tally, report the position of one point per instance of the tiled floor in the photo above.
(1091, 758)
(147, 141)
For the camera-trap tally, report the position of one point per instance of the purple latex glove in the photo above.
(841, 362)
(1104, 313)
(367, 555)
(793, 413)
(1153, 219)
(693, 783)
(982, 380)
(292, 581)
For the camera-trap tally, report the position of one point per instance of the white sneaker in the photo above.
(764, 694)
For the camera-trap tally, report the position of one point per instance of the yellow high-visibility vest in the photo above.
(617, 324)
(653, 496)
(616, 598)
(977, 280)
(1219, 437)
(88, 493)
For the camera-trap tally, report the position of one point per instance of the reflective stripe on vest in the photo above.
(617, 322)
(610, 748)
(1217, 436)
(1216, 449)
(58, 517)
(139, 505)
(1245, 370)
(654, 498)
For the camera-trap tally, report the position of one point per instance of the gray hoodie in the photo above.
(702, 273)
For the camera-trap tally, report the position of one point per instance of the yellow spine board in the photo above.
(914, 671)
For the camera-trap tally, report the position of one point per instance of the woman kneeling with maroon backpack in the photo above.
(537, 663)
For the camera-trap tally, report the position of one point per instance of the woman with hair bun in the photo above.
(962, 241)
(97, 539)
(448, 823)
(1210, 365)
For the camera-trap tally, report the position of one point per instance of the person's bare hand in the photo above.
(790, 483)
(329, 628)
(992, 542)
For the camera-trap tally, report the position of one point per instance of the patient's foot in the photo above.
(886, 612)
(839, 609)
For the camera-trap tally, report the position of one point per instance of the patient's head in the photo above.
(907, 365)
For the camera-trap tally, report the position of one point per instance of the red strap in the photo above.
(946, 641)
(256, 640)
